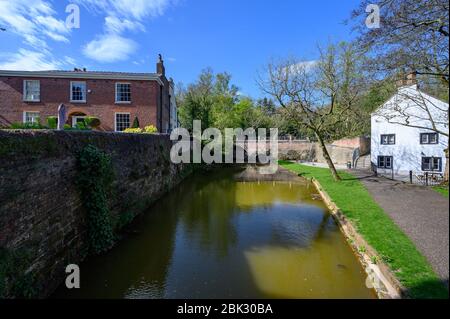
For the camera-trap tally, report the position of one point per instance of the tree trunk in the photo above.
(327, 157)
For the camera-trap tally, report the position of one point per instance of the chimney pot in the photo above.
(160, 69)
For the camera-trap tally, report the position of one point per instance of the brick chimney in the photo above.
(411, 78)
(408, 80)
(160, 69)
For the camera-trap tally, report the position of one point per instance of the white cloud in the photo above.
(116, 25)
(70, 61)
(30, 61)
(141, 8)
(52, 24)
(33, 20)
(120, 16)
(56, 37)
(301, 67)
(136, 9)
(110, 48)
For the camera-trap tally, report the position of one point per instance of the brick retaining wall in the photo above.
(40, 207)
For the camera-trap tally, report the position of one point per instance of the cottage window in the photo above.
(122, 121)
(78, 91)
(432, 164)
(31, 90)
(388, 139)
(429, 138)
(31, 117)
(123, 92)
(385, 162)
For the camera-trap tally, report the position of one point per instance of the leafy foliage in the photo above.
(147, 130)
(15, 281)
(216, 102)
(135, 123)
(52, 122)
(28, 126)
(95, 175)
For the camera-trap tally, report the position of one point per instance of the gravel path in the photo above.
(420, 212)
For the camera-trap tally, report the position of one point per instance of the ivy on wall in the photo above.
(15, 280)
(94, 178)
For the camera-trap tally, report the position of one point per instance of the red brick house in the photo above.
(116, 98)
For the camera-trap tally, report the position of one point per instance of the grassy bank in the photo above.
(393, 246)
(441, 190)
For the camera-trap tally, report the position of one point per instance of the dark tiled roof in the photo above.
(105, 73)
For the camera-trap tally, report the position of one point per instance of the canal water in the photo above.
(216, 237)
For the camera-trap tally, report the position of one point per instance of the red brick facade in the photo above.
(147, 97)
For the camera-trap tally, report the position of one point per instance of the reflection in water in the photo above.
(213, 237)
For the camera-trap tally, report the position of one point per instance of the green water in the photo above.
(214, 237)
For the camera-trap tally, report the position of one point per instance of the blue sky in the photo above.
(126, 35)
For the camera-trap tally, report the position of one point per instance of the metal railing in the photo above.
(426, 179)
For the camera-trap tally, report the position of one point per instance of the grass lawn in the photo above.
(442, 190)
(377, 228)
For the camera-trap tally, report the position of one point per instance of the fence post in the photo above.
(410, 177)
(426, 179)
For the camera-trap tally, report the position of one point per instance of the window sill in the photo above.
(78, 102)
(123, 102)
(31, 101)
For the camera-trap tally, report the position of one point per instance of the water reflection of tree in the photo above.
(207, 213)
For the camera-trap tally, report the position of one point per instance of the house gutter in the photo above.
(82, 75)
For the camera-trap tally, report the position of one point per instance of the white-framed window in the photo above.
(388, 139)
(429, 138)
(385, 162)
(32, 90)
(123, 93)
(432, 164)
(121, 121)
(30, 117)
(78, 92)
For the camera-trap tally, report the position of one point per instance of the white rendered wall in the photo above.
(407, 152)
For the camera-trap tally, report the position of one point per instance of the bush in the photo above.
(133, 130)
(80, 126)
(135, 123)
(92, 121)
(52, 122)
(27, 126)
(150, 129)
(147, 130)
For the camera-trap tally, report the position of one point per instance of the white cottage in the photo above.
(401, 136)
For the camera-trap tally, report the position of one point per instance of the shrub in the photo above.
(52, 122)
(27, 126)
(135, 123)
(151, 129)
(147, 130)
(133, 130)
(92, 121)
(80, 126)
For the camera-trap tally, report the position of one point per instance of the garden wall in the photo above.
(41, 212)
(312, 152)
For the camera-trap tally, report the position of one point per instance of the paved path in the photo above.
(420, 212)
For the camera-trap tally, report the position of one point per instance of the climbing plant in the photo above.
(15, 280)
(94, 178)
